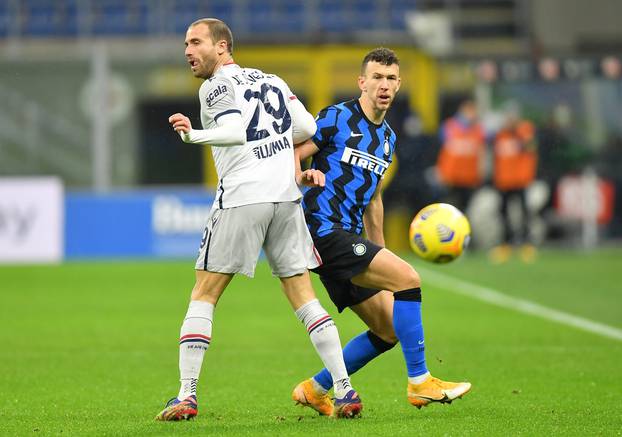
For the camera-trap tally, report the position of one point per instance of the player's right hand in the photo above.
(311, 178)
(181, 123)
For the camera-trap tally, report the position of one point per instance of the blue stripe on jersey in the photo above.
(344, 181)
(228, 111)
(355, 124)
(366, 189)
(354, 154)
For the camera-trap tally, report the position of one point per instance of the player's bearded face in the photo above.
(201, 52)
(380, 84)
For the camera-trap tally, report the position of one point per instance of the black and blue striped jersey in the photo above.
(354, 155)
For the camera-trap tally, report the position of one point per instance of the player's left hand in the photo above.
(181, 123)
(311, 178)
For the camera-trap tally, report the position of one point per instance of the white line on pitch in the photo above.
(494, 297)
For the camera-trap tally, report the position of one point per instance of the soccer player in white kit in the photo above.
(252, 120)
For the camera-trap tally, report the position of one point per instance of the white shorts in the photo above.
(233, 239)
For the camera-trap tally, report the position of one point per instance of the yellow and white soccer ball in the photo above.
(439, 233)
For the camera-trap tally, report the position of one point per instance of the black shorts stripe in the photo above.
(222, 193)
(209, 239)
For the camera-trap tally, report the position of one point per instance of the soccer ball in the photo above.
(439, 233)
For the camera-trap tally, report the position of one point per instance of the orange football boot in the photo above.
(307, 395)
(435, 390)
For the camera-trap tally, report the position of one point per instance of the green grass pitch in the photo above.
(91, 349)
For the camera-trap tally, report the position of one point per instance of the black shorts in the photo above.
(344, 255)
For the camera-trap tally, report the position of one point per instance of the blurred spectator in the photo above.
(461, 159)
(609, 163)
(609, 166)
(409, 190)
(559, 152)
(515, 161)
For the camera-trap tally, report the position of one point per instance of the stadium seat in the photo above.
(40, 17)
(366, 14)
(4, 19)
(261, 18)
(223, 10)
(62, 18)
(120, 17)
(293, 17)
(333, 17)
(398, 10)
(109, 18)
(185, 12)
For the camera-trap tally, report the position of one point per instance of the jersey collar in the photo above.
(360, 109)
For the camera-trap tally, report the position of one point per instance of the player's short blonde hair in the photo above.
(218, 31)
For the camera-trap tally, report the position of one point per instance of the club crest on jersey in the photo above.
(387, 147)
(364, 160)
(215, 95)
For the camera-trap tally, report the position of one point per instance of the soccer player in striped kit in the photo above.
(353, 147)
(252, 120)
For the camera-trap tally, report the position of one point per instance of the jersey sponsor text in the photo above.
(272, 148)
(364, 160)
(215, 95)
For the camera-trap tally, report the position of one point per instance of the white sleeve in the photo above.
(217, 98)
(218, 103)
(230, 132)
(303, 122)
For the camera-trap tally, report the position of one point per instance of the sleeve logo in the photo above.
(215, 95)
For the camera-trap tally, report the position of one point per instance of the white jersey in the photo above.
(261, 170)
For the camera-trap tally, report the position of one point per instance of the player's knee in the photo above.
(415, 278)
(411, 278)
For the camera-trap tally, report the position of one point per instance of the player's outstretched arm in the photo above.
(229, 132)
(310, 177)
(304, 150)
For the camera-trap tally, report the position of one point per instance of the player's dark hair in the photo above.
(218, 31)
(380, 55)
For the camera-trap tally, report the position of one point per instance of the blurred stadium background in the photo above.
(90, 171)
(87, 86)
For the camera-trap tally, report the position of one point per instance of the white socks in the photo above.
(194, 338)
(325, 338)
(196, 335)
(418, 379)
